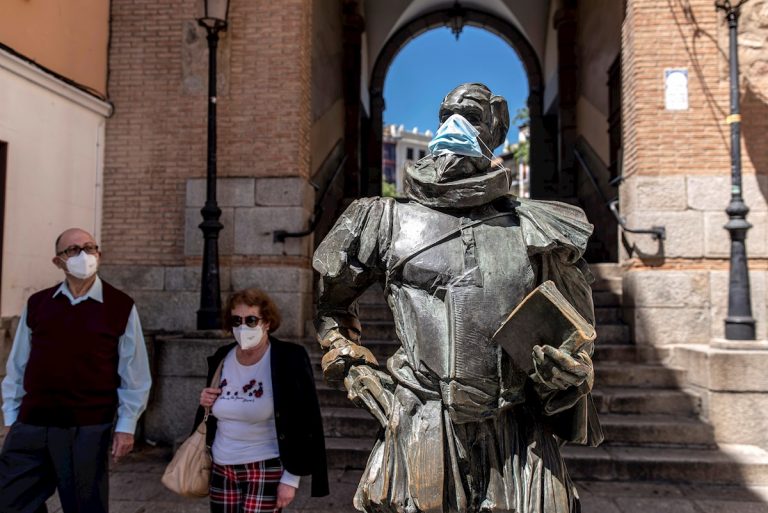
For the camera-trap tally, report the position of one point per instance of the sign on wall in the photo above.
(676, 89)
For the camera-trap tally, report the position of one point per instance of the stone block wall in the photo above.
(732, 383)
(168, 298)
(671, 307)
(676, 290)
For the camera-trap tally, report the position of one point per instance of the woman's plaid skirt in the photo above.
(248, 488)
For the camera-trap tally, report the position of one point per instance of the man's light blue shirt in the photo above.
(132, 367)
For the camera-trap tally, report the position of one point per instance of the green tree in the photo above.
(388, 189)
(522, 119)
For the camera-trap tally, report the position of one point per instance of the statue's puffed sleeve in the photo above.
(556, 235)
(349, 261)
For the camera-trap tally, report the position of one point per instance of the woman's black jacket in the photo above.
(297, 412)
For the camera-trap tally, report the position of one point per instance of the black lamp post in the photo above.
(739, 324)
(209, 314)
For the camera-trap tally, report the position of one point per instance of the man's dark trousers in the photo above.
(36, 460)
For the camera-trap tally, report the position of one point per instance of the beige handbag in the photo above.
(189, 472)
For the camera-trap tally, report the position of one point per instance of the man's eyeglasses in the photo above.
(75, 250)
(250, 320)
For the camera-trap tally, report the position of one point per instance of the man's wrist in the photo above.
(125, 425)
(10, 418)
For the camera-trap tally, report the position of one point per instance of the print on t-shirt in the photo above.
(248, 392)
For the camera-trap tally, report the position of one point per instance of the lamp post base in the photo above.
(208, 319)
(739, 328)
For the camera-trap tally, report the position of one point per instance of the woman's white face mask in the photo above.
(248, 338)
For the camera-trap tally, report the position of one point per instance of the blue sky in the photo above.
(434, 63)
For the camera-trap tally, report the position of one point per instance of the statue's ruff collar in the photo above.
(421, 185)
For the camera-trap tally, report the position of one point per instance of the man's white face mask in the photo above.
(82, 266)
(248, 338)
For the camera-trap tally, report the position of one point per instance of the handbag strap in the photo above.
(214, 379)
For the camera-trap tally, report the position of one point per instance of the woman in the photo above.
(264, 429)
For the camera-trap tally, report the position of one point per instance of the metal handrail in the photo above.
(281, 235)
(656, 232)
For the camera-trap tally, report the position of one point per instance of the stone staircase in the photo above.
(651, 422)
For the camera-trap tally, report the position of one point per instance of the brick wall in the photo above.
(671, 34)
(157, 137)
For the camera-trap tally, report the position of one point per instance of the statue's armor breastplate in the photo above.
(449, 300)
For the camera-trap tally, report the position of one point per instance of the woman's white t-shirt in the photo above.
(245, 411)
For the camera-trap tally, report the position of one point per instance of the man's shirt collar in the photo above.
(96, 292)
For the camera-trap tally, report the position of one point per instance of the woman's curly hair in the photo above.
(257, 298)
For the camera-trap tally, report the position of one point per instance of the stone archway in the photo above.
(543, 174)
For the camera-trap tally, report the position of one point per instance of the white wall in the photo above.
(55, 137)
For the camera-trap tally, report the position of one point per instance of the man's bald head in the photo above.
(73, 237)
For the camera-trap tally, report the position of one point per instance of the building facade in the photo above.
(401, 148)
(53, 116)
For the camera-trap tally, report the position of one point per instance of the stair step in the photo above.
(656, 431)
(728, 464)
(604, 353)
(385, 330)
(645, 401)
(608, 276)
(609, 295)
(349, 453)
(612, 334)
(602, 298)
(375, 312)
(374, 295)
(381, 312)
(622, 400)
(608, 315)
(615, 353)
(330, 397)
(349, 422)
(649, 430)
(638, 375)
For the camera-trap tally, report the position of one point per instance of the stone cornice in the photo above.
(39, 77)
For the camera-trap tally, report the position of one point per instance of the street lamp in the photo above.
(739, 324)
(209, 314)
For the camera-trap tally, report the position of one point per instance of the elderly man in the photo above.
(463, 429)
(78, 362)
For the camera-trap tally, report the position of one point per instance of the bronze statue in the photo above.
(460, 430)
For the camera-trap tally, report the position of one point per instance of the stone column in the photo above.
(565, 22)
(353, 25)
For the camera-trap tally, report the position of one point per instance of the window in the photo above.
(409, 153)
(422, 154)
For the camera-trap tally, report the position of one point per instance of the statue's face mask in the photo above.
(457, 150)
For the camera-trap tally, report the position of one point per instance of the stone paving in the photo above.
(136, 488)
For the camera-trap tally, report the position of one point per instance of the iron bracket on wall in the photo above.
(656, 232)
(584, 153)
(281, 235)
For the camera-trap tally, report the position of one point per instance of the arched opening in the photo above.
(542, 168)
(424, 71)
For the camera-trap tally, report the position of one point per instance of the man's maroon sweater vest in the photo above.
(71, 376)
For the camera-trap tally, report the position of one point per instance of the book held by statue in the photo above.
(543, 317)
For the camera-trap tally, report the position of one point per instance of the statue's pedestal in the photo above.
(731, 379)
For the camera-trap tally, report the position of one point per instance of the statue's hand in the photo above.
(337, 362)
(371, 389)
(558, 370)
(341, 354)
